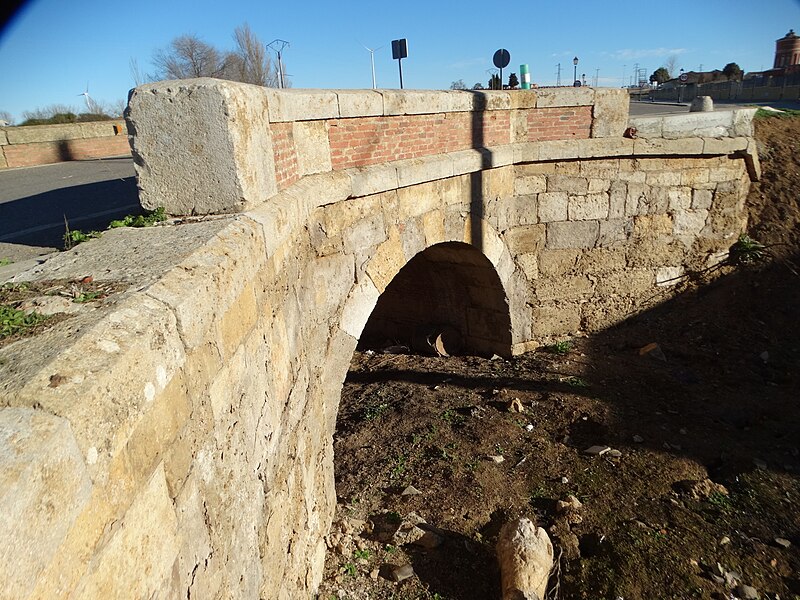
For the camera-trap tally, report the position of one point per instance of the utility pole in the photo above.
(278, 46)
(596, 77)
(623, 75)
(558, 75)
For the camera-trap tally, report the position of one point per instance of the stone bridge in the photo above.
(176, 439)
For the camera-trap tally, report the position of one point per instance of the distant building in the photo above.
(787, 51)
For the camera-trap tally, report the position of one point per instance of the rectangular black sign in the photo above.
(399, 49)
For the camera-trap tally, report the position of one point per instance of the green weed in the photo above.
(74, 237)
(746, 251)
(13, 321)
(362, 554)
(577, 382)
(5, 261)
(350, 569)
(374, 411)
(562, 347)
(146, 220)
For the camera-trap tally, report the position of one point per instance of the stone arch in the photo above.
(450, 283)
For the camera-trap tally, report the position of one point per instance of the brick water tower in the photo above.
(787, 51)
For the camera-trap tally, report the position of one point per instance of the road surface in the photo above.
(35, 201)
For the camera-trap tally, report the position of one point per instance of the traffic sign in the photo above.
(501, 58)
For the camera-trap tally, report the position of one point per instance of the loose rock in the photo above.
(525, 554)
(783, 542)
(398, 573)
(746, 592)
(597, 450)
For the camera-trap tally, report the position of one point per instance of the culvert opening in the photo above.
(448, 299)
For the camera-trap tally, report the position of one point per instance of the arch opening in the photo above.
(449, 285)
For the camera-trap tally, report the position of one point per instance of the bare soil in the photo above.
(707, 429)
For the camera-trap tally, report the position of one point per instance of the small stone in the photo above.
(597, 450)
(374, 574)
(615, 453)
(495, 458)
(783, 542)
(410, 491)
(564, 480)
(398, 573)
(683, 431)
(638, 439)
(429, 541)
(528, 427)
(732, 578)
(760, 464)
(515, 405)
(746, 592)
(725, 541)
(764, 356)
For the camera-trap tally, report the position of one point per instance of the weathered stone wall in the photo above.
(178, 441)
(43, 144)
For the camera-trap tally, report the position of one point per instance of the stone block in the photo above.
(236, 322)
(648, 127)
(724, 145)
(698, 124)
(565, 183)
(526, 152)
(689, 222)
(359, 103)
(433, 227)
(3, 137)
(610, 113)
(614, 231)
(702, 199)
(625, 283)
(469, 161)
(98, 129)
(421, 170)
(556, 319)
(657, 146)
(743, 122)
(598, 185)
(201, 146)
(141, 550)
(618, 196)
(523, 99)
(572, 234)
(557, 97)
(668, 276)
(312, 147)
(636, 199)
(557, 262)
(44, 485)
(679, 198)
(387, 260)
(600, 261)
(653, 225)
(373, 179)
(289, 104)
(565, 287)
(693, 177)
(518, 210)
(589, 207)
(663, 178)
(553, 206)
(530, 184)
(528, 239)
(529, 263)
(3, 161)
(492, 99)
(415, 102)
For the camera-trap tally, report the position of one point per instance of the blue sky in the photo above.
(52, 48)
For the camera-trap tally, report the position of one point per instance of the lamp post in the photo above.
(575, 72)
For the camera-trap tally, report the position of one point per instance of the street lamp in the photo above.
(575, 72)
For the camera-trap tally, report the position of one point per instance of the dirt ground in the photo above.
(699, 494)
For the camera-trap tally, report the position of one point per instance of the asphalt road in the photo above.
(36, 201)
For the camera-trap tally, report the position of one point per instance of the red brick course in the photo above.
(545, 124)
(366, 141)
(285, 154)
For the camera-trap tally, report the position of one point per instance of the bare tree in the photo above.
(139, 77)
(671, 65)
(188, 56)
(250, 62)
(6, 117)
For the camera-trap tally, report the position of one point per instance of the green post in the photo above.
(525, 77)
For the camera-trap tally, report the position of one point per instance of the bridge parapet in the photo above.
(208, 146)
